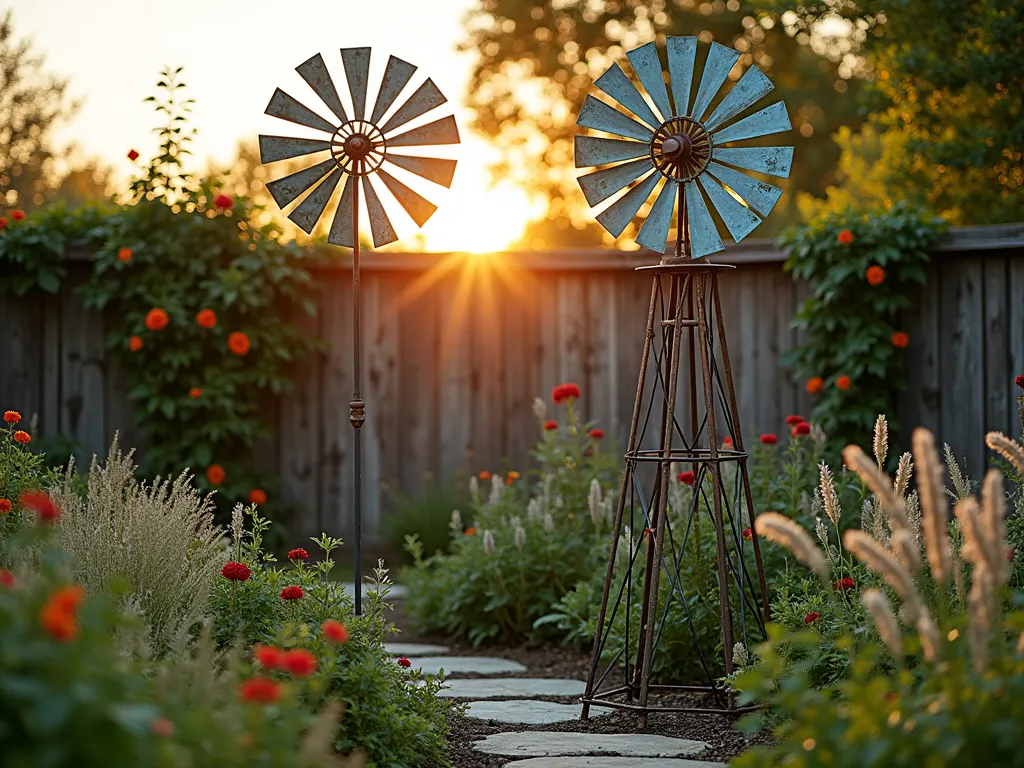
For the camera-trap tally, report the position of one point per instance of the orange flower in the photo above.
(900, 340)
(207, 318)
(843, 383)
(875, 275)
(484, 475)
(195, 392)
(135, 343)
(161, 726)
(59, 614)
(845, 237)
(125, 255)
(22, 437)
(334, 631)
(17, 214)
(815, 385)
(260, 690)
(238, 343)
(12, 417)
(156, 319)
(511, 477)
(257, 496)
(470, 531)
(215, 474)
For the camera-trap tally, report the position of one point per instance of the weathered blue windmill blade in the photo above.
(426, 98)
(771, 119)
(396, 77)
(773, 161)
(615, 83)
(751, 87)
(315, 73)
(647, 66)
(357, 72)
(435, 169)
(759, 195)
(309, 211)
(594, 150)
(654, 232)
(682, 53)
(341, 229)
(417, 206)
(274, 148)
(443, 131)
(704, 237)
(285, 190)
(599, 116)
(720, 61)
(616, 217)
(738, 219)
(600, 185)
(287, 108)
(380, 226)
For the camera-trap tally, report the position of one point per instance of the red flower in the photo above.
(133, 155)
(195, 393)
(686, 478)
(769, 439)
(811, 617)
(260, 690)
(238, 343)
(299, 662)
(5, 506)
(597, 434)
(875, 275)
(727, 443)
(207, 318)
(647, 531)
(747, 534)
(268, 656)
(900, 340)
(794, 420)
(257, 496)
(550, 425)
(41, 504)
(223, 201)
(22, 437)
(124, 255)
(1019, 381)
(845, 237)
(161, 726)
(59, 614)
(236, 572)
(404, 662)
(298, 554)
(891, 696)
(135, 343)
(844, 584)
(484, 475)
(12, 417)
(3, 222)
(334, 631)
(6, 578)
(292, 593)
(470, 531)
(1009, 553)
(800, 430)
(815, 384)
(17, 214)
(843, 383)
(215, 474)
(156, 319)
(564, 392)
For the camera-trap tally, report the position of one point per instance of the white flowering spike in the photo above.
(520, 538)
(456, 524)
(237, 522)
(540, 409)
(549, 523)
(740, 655)
(533, 510)
(594, 501)
(474, 488)
(497, 486)
(488, 542)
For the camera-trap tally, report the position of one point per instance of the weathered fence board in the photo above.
(457, 346)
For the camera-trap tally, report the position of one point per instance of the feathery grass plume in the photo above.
(993, 525)
(879, 484)
(934, 507)
(594, 502)
(880, 560)
(540, 409)
(904, 472)
(1009, 449)
(880, 444)
(829, 497)
(904, 544)
(822, 534)
(913, 507)
(237, 524)
(488, 541)
(868, 517)
(497, 486)
(792, 536)
(929, 635)
(961, 482)
(975, 549)
(980, 614)
(885, 622)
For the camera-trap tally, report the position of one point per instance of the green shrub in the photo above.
(424, 516)
(21, 471)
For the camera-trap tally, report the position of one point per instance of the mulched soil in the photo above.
(717, 730)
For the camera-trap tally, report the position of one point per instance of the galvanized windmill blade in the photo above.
(681, 146)
(359, 147)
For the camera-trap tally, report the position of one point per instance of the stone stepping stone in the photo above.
(397, 591)
(512, 687)
(554, 743)
(611, 762)
(523, 711)
(414, 649)
(466, 665)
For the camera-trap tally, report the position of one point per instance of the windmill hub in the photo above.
(358, 146)
(677, 147)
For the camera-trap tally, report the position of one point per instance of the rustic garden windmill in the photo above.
(350, 150)
(689, 150)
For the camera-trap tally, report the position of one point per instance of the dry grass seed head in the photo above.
(876, 604)
(829, 497)
(904, 472)
(879, 484)
(1009, 449)
(880, 443)
(934, 507)
(880, 560)
(792, 536)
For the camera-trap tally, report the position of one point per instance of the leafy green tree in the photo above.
(537, 61)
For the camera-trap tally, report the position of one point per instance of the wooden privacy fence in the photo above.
(457, 347)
